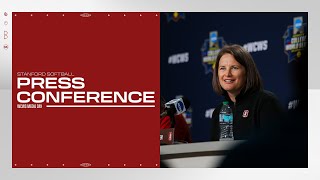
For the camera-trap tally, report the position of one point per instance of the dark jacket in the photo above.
(253, 111)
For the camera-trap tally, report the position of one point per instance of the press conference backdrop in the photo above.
(191, 41)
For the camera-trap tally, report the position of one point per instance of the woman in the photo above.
(237, 79)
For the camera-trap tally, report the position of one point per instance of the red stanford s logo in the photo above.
(245, 113)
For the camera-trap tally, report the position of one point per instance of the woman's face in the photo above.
(232, 75)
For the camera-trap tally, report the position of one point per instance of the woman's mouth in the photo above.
(229, 80)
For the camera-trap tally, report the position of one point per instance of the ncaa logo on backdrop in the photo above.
(295, 39)
(298, 24)
(175, 16)
(210, 50)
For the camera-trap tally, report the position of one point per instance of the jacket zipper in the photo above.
(234, 118)
(234, 112)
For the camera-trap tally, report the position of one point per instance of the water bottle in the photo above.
(226, 122)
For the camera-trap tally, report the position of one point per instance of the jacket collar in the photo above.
(239, 98)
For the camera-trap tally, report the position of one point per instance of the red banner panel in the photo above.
(85, 90)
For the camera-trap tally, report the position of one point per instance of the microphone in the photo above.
(175, 107)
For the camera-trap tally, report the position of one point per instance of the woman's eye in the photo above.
(234, 67)
(222, 68)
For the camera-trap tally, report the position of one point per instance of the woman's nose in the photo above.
(229, 72)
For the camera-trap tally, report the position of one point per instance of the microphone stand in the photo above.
(172, 120)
